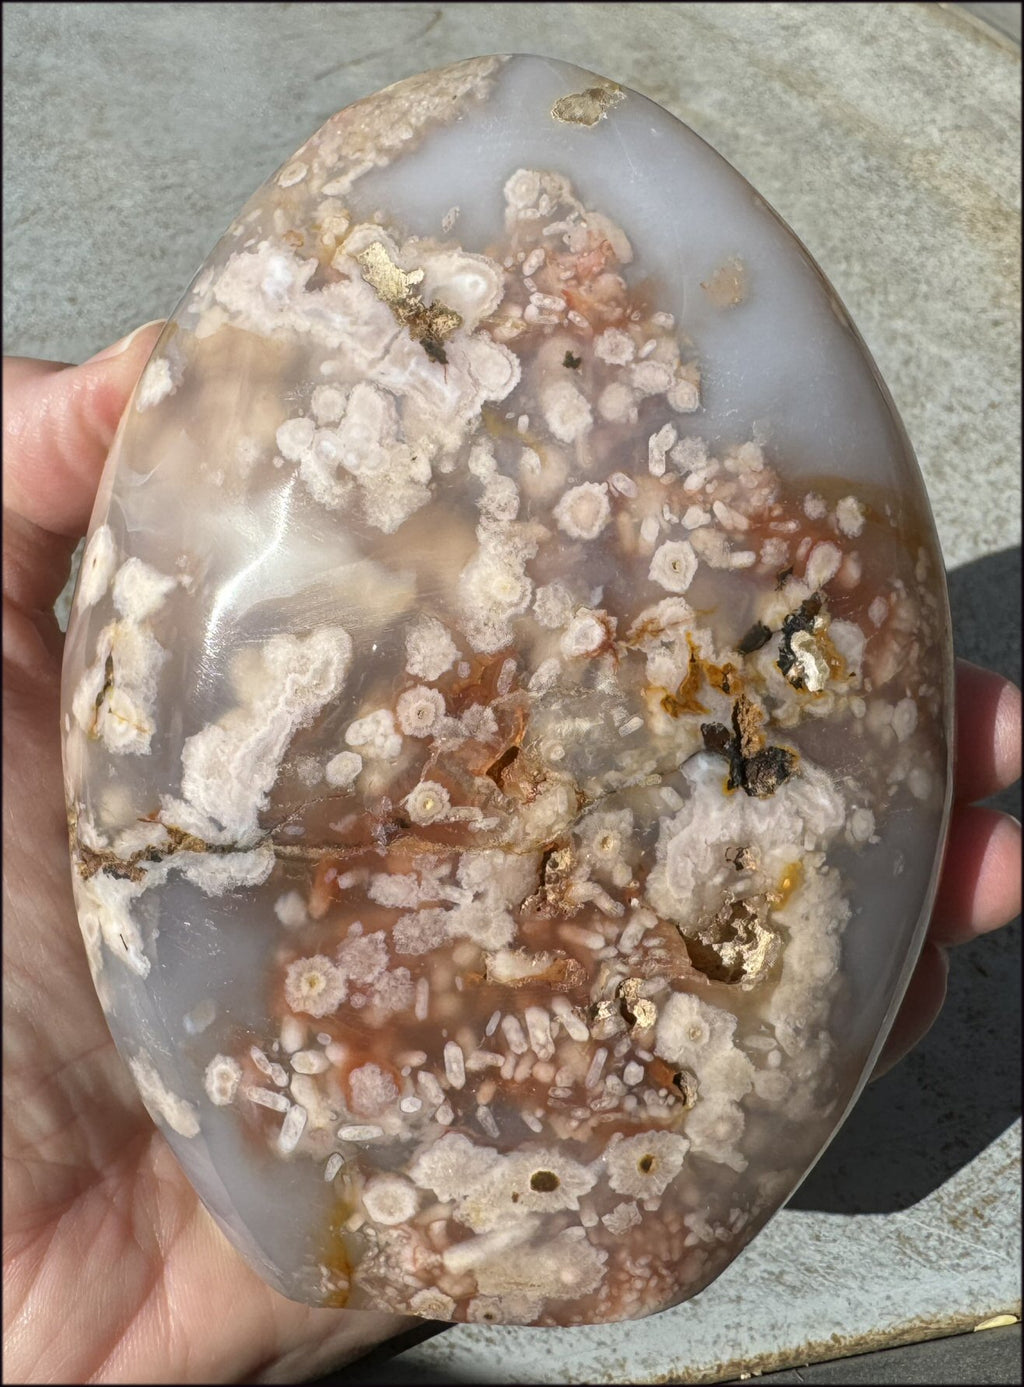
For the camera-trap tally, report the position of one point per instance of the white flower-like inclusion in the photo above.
(159, 380)
(341, 770)
(500, 499)
(470, 284)
(315, 986)
(375, 735)
(850, 516)
(221, 1079)
(524, 1182)
(363, 957)
(160, 1102)
(432, 1304)
(566, 411)
(427, 802)
(328, 404)
(605, 839)
(658, 446)
(451, 1166)
(504, 1309)
(617, 404)
(498, 583)
(371, 1090)
(651, 378)
(623, 1217)
(691, 1031)
(294, 437)
(420, 933)
(674, 565)
(139, 589)
(376, 130)
(564, 1268)
(822, 565)
(615, 347)
(389, 1199)
(714, 1127)
(684, 396)
(699, 1037)
(116, 696)
(644, 1166)
(394, 991)
(586, 633)
(429, 649)
(553, 605)
(229, 768)
(104, 912)
(584, 511)
(97, 568)
(805, 812)
(368, 431)
(668, 622)
(497, 882)
(522, 190)
(419, 711)
(396, 889)
(290, 909)
(479, 722)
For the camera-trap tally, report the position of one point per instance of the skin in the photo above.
(113, 1271)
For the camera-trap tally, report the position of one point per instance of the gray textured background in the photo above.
(888, 136)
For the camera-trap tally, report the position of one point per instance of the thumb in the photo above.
(58, 424)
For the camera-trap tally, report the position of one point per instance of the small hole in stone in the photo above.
(544, 1181)
(645, 1164)
(502, 764)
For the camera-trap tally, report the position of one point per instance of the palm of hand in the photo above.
(112, 1267)
(113, 1270)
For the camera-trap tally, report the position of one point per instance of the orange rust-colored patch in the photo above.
(335, 1257)
(324, 892)
(791, 879)
(698, 672)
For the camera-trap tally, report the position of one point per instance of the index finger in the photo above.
(988, 734)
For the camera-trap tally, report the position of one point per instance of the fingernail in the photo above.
(119, 347)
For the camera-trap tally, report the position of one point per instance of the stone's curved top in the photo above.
(505, 710)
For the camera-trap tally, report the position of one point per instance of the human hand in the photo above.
(112, 1268)
(980, 886)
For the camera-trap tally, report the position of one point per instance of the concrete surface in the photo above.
(1002, 15)
(965, 1358)
(968, 1360)
(888, 136)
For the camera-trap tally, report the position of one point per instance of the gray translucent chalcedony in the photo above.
(506, 711)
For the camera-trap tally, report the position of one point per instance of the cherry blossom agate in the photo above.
(506, 710)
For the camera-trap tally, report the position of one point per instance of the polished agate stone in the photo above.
(506, 710)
